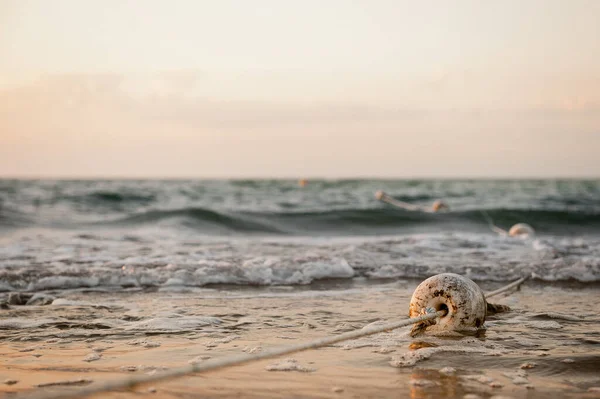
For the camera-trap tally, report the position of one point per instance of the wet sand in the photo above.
(548, 346)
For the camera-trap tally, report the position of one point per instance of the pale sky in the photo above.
(276, 88)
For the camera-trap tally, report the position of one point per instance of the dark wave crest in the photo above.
(108, 196)
(201, 219)
(362, 221)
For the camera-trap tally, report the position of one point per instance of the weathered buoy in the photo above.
(302, 182)
(439, 206)
(462, 300)
(521, 230)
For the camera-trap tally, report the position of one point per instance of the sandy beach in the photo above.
(90, 337)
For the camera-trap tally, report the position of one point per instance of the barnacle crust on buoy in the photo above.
(462, 300)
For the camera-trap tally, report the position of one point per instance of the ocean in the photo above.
(112, 260)
(148, 233)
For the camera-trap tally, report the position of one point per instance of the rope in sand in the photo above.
(235, 360)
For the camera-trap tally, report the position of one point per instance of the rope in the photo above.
(420, 327)
(506, 288)
(494, 228)
(235, 359)
(400, 204)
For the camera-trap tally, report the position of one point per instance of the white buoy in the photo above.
(462, 299)
(521, 230)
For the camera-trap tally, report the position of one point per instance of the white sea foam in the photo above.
(170, 262)
(67, 302)
(289, 365)
(183, 323)
(21, 323)
(4, 286)
(411, 358)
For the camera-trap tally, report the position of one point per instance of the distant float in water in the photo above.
(521, 230)
(302, 182)
(439, 206)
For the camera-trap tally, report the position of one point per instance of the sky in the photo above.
(274, 88)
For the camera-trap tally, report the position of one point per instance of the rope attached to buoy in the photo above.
(493, 308)
(381, 196)
(437, 206)
(506, 288)
(517, 230)
(236, 359)
(429, 316)
(493, 227)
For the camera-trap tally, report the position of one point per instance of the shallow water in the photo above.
(553, 328)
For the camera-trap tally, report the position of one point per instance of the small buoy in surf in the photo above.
(521, 230)
(302, 182)
(439, 205)
(462, 300)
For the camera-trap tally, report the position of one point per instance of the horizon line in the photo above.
(297, 177)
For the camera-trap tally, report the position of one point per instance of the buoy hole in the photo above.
(442, 307)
